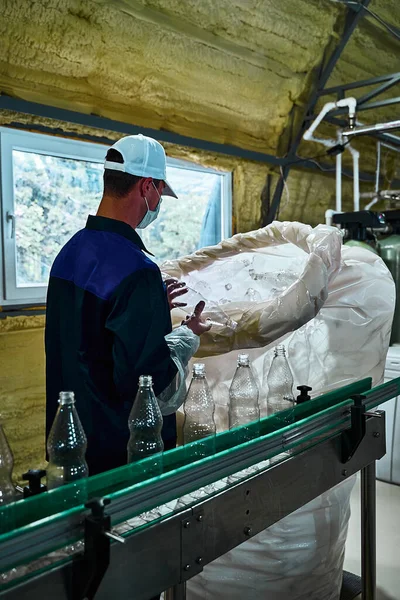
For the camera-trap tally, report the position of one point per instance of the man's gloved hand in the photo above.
(196, 322)
(175, 289)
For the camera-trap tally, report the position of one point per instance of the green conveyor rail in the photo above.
(59, 503)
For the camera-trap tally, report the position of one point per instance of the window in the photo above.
(199, 217)
(49, 186)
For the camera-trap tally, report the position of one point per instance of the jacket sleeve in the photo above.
(138, 321)
(183, 344)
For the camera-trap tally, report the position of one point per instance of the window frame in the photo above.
(226, 191)
(26, 141)
(16, 139)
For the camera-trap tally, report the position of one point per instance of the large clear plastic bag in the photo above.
(260, 285)
(333, 308)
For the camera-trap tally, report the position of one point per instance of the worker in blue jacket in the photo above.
(108, 314)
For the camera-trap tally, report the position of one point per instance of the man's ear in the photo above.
(145, 185)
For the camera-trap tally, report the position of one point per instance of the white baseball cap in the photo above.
(144, 157)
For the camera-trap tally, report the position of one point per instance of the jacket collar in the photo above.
(115, 226)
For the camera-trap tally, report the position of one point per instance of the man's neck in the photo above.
(115, 208)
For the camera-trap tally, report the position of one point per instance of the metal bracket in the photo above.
(352, 438)
(96, 558)
(193, 544)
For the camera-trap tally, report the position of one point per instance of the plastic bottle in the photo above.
(280, 394)
(280, 386)
(66, 445)
(199, 411)
(243, 399)
(145, 424)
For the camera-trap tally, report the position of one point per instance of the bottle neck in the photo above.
(280, 351)
(145, 381)
(243, 360)
(66, 398)
(199, 371)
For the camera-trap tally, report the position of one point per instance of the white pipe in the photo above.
(351, 104)
(329, 216)
(356, 177)
(375, 196)
(339, 177)
(378, 166)
(386, 195)
(338, 183)
(308, 135)
(370, 204)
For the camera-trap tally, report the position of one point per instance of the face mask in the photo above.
(150, 215)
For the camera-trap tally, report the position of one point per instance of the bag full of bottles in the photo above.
(331, 307)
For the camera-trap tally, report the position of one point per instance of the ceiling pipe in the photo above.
(351, 104)
(366, 129)
(382, 194)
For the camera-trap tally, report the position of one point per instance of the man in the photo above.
(108, 319)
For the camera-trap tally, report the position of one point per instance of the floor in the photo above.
(387, 539)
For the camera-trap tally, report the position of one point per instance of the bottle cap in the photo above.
(66, 398)
(243, 360)
(199, 369)
(280, 350)
(145, 381)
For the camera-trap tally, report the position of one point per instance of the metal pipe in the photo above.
(394, 148)
(381, 193)
(368, 532)
(357, 84)
(365, 129)
(379, 90)
(72, 116)
(389, 138)
(177, 592)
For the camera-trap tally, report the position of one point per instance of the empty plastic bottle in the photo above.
(199, 411)
(280, 386)
(66, 445)
(243, 399)
(145, 424)
(252, 295)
